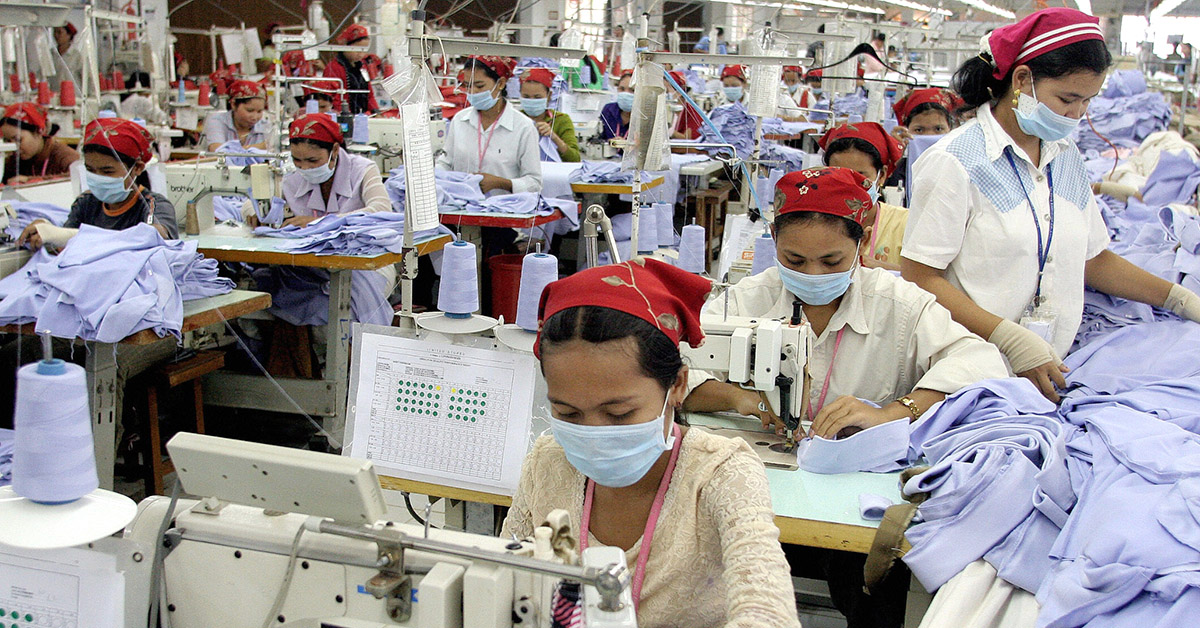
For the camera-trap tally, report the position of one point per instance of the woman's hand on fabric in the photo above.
(754, 403)
(1048, 378)
(30, 235)
(492, 182)
(902, 134)
(847, 411)
(299, 221)
(543, 129)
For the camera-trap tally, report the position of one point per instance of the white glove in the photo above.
(1023, 348)
(1116, 190)
(1184, 303)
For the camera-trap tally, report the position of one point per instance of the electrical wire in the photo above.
(156, 564)
(1116, 151)
(334, 32)
(287, 580)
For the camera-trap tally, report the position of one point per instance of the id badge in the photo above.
(1040, 321)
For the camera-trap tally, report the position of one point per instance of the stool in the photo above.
(710, 214)
(166, 377)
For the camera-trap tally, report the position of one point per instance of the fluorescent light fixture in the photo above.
(920, 7)
(1166, 7)
(831, 4)
(1084, 5)
(994, 10)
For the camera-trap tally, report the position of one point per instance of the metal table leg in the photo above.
(102, 386)
(337, 351)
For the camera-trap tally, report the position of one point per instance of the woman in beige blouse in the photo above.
(691, 510)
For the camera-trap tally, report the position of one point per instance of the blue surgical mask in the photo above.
(625, 101)
(873, 191)
(1036, 119)
(613, 455)
(817, 91)
(816, 289)
(482, 101)
(109, 190)
(534, 107)
(733, 94)
(319, 174)
(793, 87)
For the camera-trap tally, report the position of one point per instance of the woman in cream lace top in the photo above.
(629, 476)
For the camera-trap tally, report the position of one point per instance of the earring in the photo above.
(1016, 97)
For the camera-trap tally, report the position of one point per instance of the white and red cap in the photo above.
(1037, 34)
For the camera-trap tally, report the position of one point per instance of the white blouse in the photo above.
(509, 147)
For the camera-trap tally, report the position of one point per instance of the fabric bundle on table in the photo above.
(454, 189)
(28, 212)
(602, 172)
(107, 285)
(853, 104)
(235, 146)
(1125, 120)
(7, 438)
(348, 234)
(736, 126)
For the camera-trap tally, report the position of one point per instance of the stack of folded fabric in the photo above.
(1125, 120)
(107, 285)
(603, 172)
(454, 189)
(348, 234)
(28, 212)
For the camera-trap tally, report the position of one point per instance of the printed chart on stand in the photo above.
(443, 414)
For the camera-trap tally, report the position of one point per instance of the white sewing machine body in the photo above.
(200, 181)
(388, 135)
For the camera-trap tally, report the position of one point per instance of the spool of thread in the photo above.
(537, 271)
(361, 134)
(105, 83)
(312, 106)
(54, 459)
(14, 83)
(221, 89)
(458, 294)
(118, 80)
(764, 253)
(140, 122)
(182, 95)
(44, 93)
(205, 95)
(647, 230)
(666, 224)
(332, 116)
(107, 113)
(691, 249)
(66, 94)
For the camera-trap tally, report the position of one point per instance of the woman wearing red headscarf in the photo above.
(115, 152)
(930, 111)
(552, 126)
(1003, 226)
(733, 83)
(691, 510)
(866, 148)
(348, 67)
(38, 154)
(243, 120)
(687, 119)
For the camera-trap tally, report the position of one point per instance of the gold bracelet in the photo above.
(911, 405)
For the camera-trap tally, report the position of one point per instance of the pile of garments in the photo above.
(1091, 505)
(108, 285)
(454, 189)
(27, 212)
(736, 127)
(1126, 114)
(348, 234)
(603, 172)
(852, 104)
(7, 438)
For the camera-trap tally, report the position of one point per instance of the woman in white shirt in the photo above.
(490, 137)
(243, 121)
(1003, 227)
(691, 510)
(733, 83)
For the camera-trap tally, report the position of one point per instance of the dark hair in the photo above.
(554, 40)
(326, 146)
(843, 144)
(142, 179)
(929, 106)
(138, 78)
(851, 229)
(25, 126)
(975, 84)
(878, 36)
(658, 357)
(234, 103)
(720, 31)
(319, 96)
(480, 66)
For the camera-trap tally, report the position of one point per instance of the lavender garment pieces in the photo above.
(234, 146)
(879, 449)
(1125, 120)
(603, 172)
(548, 149)
(6, 456)
(454, 189)
(872, 506)
(1125, 83)
(108, 285)
(300, 295)
(1174, 180)
(28, 212)
(228, 208)
(348, 234)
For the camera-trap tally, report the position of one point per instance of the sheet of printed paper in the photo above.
(443, 414)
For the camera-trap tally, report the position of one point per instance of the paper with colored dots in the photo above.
(446, 414)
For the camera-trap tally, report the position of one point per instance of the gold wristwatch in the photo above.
(911, 405)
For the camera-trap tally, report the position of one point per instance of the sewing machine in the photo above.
(388, 135)
(192, 185)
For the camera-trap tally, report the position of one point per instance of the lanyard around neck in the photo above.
(837, 343)
(479, 142)
(639, 572)
(1043, 253)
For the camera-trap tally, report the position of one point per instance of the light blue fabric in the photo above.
(1174, 180)
(108, 285)
(879, 449)
(348, 234)
(234, 146)
(7, 438)
(300, 295)
(872, 506)
(548, 149)
(454, 189)
(1124, 120)
(28, 212)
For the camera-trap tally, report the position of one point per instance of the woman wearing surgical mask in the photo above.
(490, 137)
(882, 349)
(1003, 227)
(242, 121)
(687, 120)
(614, 117)
(733, 83)
(691, 510)
(553, 127)
(791, 91)
(866, 148)
(115, 153)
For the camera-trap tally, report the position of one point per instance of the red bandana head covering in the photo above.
(31, 116)
(353, 33)
(328, 88)
(834, 191)
(293, 59)
(71, 30)
(944, 98)
(240, 90)
(735, 71)
(667, 297)
(814, 74)
(539, 75)
(123, 136)
(890, 150)
(678, 77)
(793, 68)
(502, 66)
(315, 126)
(1037, 34)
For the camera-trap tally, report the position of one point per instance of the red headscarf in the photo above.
(71, 30)
(890, 150)
(239, 90)
(944, 98)
(660, 294)
(30, 115)
(123, 136)
(293, 59)
(793, 68)
(814, 74)
(328, 88)
(315, 126)
(834, 191)
(502, 66)
(352, 33)
(539, 75)
(678, 77)
(735, 71)
(1037, 34)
